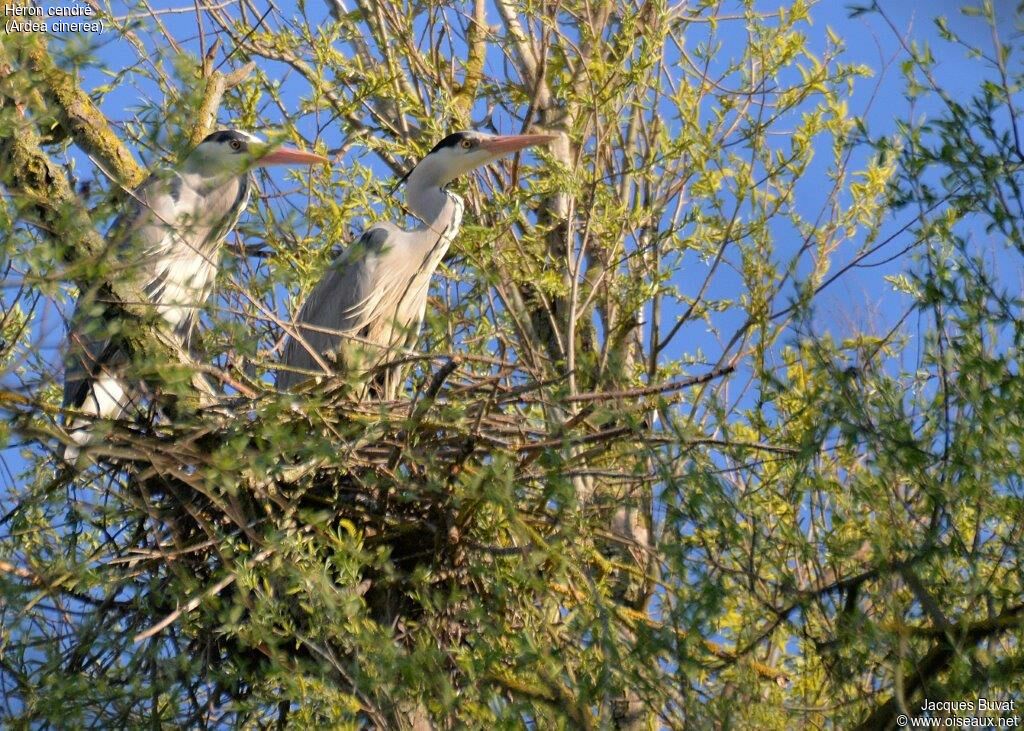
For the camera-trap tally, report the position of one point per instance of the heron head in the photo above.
(231, 152)
(461, 152)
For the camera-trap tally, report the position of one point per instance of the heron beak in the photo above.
(290, 156)
(513, 143)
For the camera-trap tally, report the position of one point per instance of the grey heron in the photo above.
(169, 242)
(373, 297)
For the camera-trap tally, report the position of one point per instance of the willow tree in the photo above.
(632, 481)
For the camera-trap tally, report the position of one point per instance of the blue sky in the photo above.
(860, 300)
(869, 41)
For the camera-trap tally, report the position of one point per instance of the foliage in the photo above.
(638, 479)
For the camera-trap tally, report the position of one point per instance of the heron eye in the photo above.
(466, 144)
(235, 145)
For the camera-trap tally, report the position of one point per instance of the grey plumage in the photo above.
(370, 304)
(169, 242)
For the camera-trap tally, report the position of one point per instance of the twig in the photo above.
(196, 601)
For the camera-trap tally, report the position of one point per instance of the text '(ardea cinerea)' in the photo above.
(169, 243)
(372, 300)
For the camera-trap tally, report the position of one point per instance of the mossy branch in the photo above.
(45, 195)
(79, 117)
(47, 200)
(216, 84)
(476, 41)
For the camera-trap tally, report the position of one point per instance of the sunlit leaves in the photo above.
(714, 186)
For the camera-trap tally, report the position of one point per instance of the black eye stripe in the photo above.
(235, 139)
(452, 140)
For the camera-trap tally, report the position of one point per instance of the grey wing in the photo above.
(151, 203)
(93, 383)
(345, 302)
(81, 351)
(182, 260)
(171, 238)
(92, 364)
(88, 353)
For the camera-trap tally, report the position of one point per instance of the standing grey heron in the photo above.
(169, 241)
(374, 296)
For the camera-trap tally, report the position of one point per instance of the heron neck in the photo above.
(206, 184)
(428, 200)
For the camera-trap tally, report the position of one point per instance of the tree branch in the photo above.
(476, 41)
(79, 117)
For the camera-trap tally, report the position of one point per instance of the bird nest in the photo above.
(472, 469)
(295, 535)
